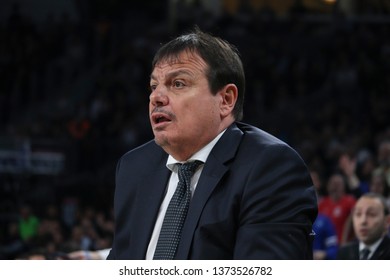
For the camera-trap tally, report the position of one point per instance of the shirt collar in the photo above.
(200, 155)
(372, 247)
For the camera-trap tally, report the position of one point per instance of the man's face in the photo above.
(184, 114)
(336, 186)
(369, 220)
(377, 184)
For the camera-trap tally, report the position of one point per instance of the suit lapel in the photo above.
(213, 171)
(355, 253)
(383, 250)
(150, 198)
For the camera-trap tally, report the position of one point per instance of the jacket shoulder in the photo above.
(383, 251)
(256, 134)
(147, 151)
(256, 139)
(349, 251)
(143, 158)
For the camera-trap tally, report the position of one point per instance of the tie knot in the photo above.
(189, 167)
(364, 254)
(186, 170)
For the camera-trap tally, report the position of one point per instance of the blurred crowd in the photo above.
(80, 88)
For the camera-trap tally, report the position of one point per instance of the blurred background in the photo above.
(74, 78)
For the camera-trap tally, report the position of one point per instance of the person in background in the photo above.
(379, 185)
(28, 223)
(371, 221)
(325, 243)
(348, 166)
(383, 158)
(337, 206)
(251, 194)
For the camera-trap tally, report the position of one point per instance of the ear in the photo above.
(229, 95)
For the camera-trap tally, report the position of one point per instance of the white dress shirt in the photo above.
(372, 247)
(201, 155)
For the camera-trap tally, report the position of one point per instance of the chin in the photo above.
(161, 141)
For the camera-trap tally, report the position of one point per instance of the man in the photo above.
(325, 244)
(337, 205)
(252, 196)
(370, 222)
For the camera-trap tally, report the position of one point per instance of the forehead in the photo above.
(185, 59)
(369, 202)
(336, 179)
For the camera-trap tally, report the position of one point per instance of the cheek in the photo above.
(200, 112)
(212, 107)
(208, 116)
(383, 223)
(374, 223)
(355, 222)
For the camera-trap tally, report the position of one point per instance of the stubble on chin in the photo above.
(161, 141)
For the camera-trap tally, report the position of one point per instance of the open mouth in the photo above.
(159, 118)
(162, 119)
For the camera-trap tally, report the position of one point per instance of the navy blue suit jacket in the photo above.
(350, 251)
(254, 200)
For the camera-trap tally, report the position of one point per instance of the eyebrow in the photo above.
(174, 73)
(370, 208)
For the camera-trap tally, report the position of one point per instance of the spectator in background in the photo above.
(379, 185)
(337, 206)
(384, 160)
(355, 186)
(371, 221)
(28, 223)
(366, 163)
(325, 244)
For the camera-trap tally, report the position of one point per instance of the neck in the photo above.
(184, 152)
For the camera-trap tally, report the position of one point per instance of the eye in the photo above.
(372, 214)
(178, 84)
(153, 87)
(357, 214)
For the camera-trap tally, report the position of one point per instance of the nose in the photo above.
(158, 97)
